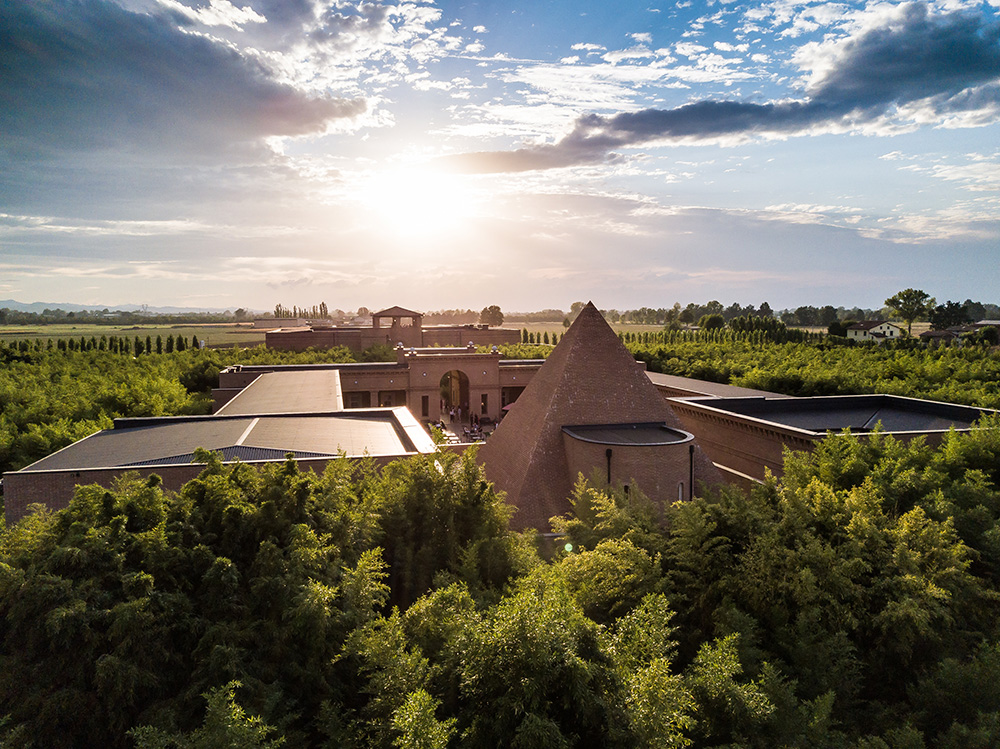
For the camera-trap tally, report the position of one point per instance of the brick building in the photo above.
(389, 327)
(428, 381)
(589, 408)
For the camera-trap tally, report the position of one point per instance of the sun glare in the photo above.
(418, 202)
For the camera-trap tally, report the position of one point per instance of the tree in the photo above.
(417, 726)
(838, 328)
(491, 316)
(827, 314)
(948, 315)
(910, 304)
(226, 724)
(734, 310)
(806, 315)
(712, 322)
(975, 310)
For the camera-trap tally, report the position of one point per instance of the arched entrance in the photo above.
(455, 392)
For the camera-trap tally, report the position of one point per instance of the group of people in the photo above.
(456, 414)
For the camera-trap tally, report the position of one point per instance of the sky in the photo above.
(525, 153)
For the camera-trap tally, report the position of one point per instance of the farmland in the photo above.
(215, 335)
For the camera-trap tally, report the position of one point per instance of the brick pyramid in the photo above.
(589, 378)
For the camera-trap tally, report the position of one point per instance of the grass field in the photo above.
(214, 335)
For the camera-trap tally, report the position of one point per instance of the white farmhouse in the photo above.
(874, 330)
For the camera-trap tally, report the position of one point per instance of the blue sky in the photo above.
(527, 154)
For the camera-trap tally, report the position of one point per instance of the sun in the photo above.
(418, 201)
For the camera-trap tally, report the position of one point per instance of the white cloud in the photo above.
(689, 49)
(218, 13)
(638, 52)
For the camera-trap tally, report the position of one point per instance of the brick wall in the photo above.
(445, 336)
(656, 470)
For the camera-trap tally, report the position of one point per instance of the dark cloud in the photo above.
(88, 75)
(922, 56)
(949, 60)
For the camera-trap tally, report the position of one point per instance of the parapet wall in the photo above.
(661, 472)
(461, 336)
(738, 443)
(358, 339)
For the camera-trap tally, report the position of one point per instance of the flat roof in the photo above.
(173, 440)
(702, 388)
(288, 392)
(859, 413)
(641, 434)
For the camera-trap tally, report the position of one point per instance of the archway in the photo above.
(455, 392)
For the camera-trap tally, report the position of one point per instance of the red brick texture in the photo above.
(590, 378)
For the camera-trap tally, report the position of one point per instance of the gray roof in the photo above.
(701, 388)
(643, 434)
(288, 392)
(859, 413)
(167, 441)
(869, 324)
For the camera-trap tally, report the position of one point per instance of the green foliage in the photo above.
(535, 660)
(967, 375)
(910, 304)
(226, 725)
(659, 705)
(492, 316)
(949, 314)
(416, 725)
(849, 604)
(440, 518)
(711, 322)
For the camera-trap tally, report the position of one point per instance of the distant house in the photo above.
(951, 335)
(955, 332)
(874, 330)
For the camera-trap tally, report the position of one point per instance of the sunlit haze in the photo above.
(436, 155)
